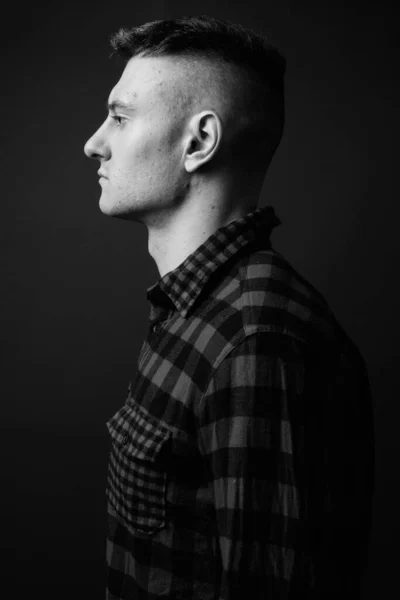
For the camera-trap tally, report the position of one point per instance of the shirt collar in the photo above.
(182, 286)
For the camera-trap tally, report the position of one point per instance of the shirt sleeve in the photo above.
(262, 436)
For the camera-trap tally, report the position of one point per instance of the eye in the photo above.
(118, 120)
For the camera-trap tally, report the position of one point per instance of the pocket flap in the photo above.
(137, 433)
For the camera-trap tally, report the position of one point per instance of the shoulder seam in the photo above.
(246, 334)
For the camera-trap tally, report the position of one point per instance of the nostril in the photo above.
(90, 151)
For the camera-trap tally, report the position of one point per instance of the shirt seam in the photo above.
(248, 332)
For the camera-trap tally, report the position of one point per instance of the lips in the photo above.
(100, 174)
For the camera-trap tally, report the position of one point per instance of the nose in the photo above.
(96, 146)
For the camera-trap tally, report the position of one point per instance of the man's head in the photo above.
(199, 98)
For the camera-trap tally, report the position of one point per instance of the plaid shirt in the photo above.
(241, 462)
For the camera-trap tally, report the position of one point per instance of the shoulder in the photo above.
(260, 305)
(275, 297)
(269, 308)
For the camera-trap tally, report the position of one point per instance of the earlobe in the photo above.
(205, 138)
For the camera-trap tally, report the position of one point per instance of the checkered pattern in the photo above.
(135, 488)
(242, 460)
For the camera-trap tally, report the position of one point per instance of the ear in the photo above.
(205, 134)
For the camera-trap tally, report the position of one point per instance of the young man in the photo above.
(241, 463)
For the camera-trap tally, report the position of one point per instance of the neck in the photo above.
(175, 236)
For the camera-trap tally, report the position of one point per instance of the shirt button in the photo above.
(125, 440)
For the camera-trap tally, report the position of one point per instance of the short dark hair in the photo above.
(206, 36)
(219, 40)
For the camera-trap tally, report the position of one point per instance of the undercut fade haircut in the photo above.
(257, 66)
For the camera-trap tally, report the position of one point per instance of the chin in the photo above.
(112, 209)
(106, 208)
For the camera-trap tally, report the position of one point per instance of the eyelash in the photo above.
(118, 119)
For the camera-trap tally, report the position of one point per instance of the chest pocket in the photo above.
(137, 480)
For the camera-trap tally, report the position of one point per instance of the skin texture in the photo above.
(167, 156)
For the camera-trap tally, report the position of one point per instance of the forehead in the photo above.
(146, 78)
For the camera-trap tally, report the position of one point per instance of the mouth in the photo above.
(101, 175)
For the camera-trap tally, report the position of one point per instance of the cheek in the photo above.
(146, 152)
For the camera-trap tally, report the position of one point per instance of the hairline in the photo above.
(218, 72)
(235, 69)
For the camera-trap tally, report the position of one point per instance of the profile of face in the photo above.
(141, 144)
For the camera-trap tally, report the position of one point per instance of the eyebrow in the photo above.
(118, 104)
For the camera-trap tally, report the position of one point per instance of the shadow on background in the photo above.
(74, 301)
